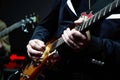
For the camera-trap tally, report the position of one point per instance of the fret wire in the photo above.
(105, 11)
(99, 15)
(78, 27)
(82, 26)
(90, 20)
(86, 24)
(117, 2)
(94, 17)
(110, 7)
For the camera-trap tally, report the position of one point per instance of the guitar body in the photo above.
(32, 70)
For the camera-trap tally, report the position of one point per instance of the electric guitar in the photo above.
(32, 20)
(31, 70)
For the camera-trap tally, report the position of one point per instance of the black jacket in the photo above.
(105, 43)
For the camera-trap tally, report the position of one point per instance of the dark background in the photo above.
(12, 11)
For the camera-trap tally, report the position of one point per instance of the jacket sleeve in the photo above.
(108, 41)
(48, 26)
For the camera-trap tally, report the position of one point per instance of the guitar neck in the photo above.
(85, 25)
(22, 23)
(97, 16)
(10, 28)
(57, 43)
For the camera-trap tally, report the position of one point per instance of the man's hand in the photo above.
(35, 48)
(75, 39)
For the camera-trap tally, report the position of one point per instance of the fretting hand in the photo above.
(75, 39)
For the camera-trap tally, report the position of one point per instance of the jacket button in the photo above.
(101, 63)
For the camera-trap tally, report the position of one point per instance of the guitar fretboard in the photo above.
(107, 9)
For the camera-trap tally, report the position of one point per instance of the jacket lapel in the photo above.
(70, 5)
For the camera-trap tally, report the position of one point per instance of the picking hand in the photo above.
(35, 48)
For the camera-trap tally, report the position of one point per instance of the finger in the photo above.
(77, 43)
(70, 42)
(40, 45)
(77, 35)
(37, 45)
(33, 51)
(80, 20)
(34, 58)
(66, 35)
(39, 42)
(78, 38)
